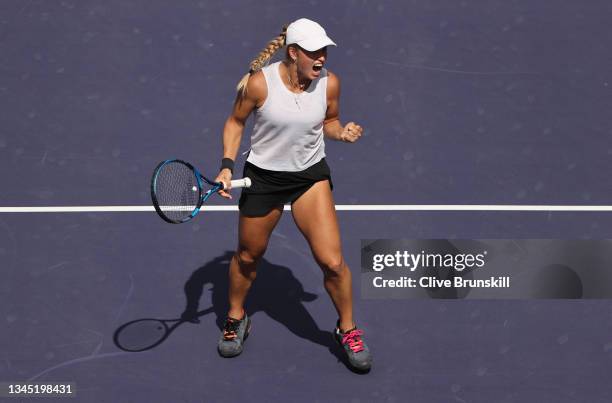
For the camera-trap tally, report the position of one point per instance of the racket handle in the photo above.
(241, 183)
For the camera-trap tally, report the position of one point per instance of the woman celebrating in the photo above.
(295, 104)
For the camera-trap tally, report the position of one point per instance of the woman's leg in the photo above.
(315, 215)
(253, 236)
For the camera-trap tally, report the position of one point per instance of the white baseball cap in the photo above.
(308, 35)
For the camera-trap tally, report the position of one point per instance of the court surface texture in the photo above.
(464, 103)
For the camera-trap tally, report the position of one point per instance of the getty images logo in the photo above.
(412, 261)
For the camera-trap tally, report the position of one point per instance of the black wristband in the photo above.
(227, 163)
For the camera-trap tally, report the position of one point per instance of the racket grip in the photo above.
(241, 183)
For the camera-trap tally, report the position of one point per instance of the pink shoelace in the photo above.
(230, 329)
(353, 339)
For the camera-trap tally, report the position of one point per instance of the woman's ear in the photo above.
(292, 53)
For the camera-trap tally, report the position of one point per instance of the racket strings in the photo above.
(177, 191)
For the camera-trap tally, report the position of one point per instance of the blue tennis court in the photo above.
(471, 103)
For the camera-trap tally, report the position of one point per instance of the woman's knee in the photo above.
(248, 257)
(333, 266)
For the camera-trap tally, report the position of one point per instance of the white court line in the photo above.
(339, 207)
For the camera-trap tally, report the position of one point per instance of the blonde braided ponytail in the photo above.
(262, 59)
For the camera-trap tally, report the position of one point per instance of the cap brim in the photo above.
(313, 44)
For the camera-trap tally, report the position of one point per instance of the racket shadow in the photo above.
(147, 333)
(144, 334)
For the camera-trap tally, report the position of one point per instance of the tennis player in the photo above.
(295, 102)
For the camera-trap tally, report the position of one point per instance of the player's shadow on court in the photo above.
(275, 291)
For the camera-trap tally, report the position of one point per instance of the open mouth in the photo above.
(317, 66)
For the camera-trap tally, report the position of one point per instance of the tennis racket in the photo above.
(178, 190)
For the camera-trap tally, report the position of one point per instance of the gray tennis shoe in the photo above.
(234, 333)
(354, 346)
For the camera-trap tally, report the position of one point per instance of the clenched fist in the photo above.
(351, 132)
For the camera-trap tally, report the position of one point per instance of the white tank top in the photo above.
(288, 130)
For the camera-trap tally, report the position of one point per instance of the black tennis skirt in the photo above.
(272, 189)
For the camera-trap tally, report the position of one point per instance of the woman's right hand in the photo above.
(225, 176)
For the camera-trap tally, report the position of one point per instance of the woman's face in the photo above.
(309, 64)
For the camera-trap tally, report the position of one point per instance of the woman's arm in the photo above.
(332, 128)
(234, 125)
